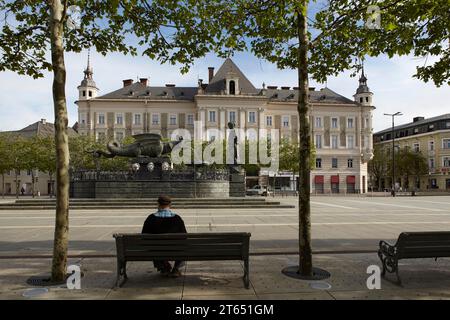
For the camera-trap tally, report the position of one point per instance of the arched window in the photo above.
(232, 89)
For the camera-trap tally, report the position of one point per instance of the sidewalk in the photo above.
(422, 279)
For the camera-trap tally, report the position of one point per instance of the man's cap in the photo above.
(164, 200)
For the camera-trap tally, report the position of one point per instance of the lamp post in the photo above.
(393, 115)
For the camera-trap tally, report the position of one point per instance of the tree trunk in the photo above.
(17, 184)
(3, 185)
(51, 184)
(32, 183)
(60, 243)
(305, 256)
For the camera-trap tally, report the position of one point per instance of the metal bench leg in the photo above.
(246, 274)
(121, 272)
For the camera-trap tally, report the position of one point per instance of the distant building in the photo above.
(43, 184)
(429, 136)
(341, 127)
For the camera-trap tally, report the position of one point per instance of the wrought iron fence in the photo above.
(184, 174)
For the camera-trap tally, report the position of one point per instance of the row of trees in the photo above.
(18, 153)
(408, 164)
(37, 153)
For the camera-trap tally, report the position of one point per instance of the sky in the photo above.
(24, 100)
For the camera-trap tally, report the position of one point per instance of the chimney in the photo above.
(127, 82)
(418, 119)
(272, 87)
(144, 81)
(312, 89)
(170, 85)
(285, 88)
(210, 74)
(43, 121)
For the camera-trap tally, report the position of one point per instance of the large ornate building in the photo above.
(341, 127)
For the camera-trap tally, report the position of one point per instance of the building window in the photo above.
(431, 163)
(350, 142)
(119, 118)
(82, 118)
(269, 121)
(334, 163)
(350, 163)
(446, 143)
(431, 145)
(84, 93)
(190, 119)
(173, 119)
(212, 116)
(446, 162)
(119, 136)
(155, 119)
(447, 124)
(28, 172)
(101, 119)
(416, 147)
(232, 87)
(232, 117)
(137, 119)
(318, 141)
(350, 123)
(334, 123)
(90, 93)
(318, 122)
(318, 163)
(101, 136)
(251, 117)
(334, 142)
(286, 121)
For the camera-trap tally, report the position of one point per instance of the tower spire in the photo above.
(88, 72)
(88, 89)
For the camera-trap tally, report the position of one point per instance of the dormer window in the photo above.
(232, 87)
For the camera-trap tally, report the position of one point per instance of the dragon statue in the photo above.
(146, 145)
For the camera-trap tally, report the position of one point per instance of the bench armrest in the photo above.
(387, 249)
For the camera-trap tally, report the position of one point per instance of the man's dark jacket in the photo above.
(154, 224)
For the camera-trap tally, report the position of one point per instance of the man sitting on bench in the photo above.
(165, 221)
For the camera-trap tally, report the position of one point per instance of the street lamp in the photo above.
(393, 115)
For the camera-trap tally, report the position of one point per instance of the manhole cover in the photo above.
(30, 293)
(318, 274)
(321, 285)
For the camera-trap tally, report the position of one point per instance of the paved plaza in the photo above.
(345, 231)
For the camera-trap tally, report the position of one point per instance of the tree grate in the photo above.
(318, 274)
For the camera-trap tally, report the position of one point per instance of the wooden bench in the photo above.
(181, 246)
(413, 245)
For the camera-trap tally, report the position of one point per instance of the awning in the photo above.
(318, 179)
(334, 179)
(351, 179)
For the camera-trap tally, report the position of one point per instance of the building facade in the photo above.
(429, 136)
(341, 127)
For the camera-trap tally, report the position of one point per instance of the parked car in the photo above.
(257, 191)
